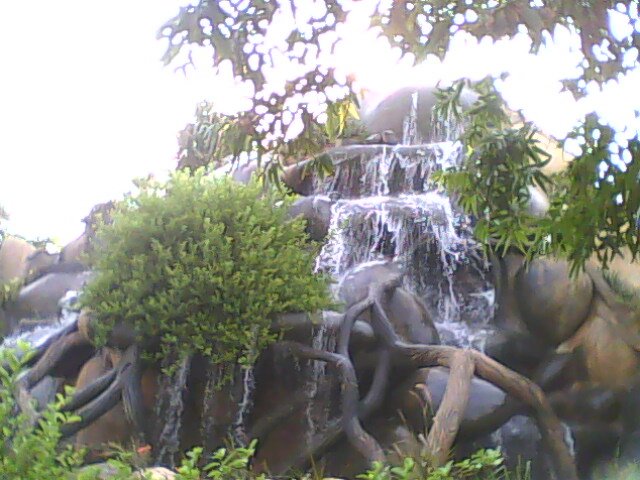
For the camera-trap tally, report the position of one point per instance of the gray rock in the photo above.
(39, 300)
(316, 210)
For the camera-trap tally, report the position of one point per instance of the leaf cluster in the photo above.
(501, 166)
(482, 465)
(202, 265)
(31, 452)
(594, 205)
(214, 139)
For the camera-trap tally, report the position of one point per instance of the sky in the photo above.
(86, 105)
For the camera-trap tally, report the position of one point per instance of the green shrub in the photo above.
(27, 451)
(482, 465)
(202, 265)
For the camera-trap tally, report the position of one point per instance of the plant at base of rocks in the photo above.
(202, 265)
(482, 465)
(28, 451)
(224, 465)
(9, 291)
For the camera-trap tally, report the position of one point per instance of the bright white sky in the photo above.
(86, 105)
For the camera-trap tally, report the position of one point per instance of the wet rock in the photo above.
(520, 351)
(299, 178)
(112, 427)
(391, 113)
(405, 310)
(14, 259)
(40, 299)
(552, 304)
(419, 397)
(244, 172)
(316, 210)
(44, 392)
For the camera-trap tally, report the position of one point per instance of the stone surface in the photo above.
(316, 210)
(40, 299)
(552, 304)
(420, 395)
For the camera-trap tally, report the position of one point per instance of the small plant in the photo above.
(9, 291)
(482, 465)
(202, 265)
(224, 465)
(28, 451)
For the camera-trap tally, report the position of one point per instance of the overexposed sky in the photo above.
(86, 105)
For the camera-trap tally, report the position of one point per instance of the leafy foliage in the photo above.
(29, 452)
(243, 34)
(215, 138)
(203, 265)
(484, 464)
(594, 204)
(224, 464)
(9, 291)
(625, 292)
(501, 165)
(237, 33)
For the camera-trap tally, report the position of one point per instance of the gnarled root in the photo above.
(43, 367)
(97, 398)
(462, 364)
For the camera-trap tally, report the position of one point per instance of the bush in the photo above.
(27, 451)
(202, 265)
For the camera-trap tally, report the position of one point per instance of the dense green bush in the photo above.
(202, 265)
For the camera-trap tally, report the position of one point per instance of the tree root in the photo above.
(123, 383)
(462, 363)
(104, 393)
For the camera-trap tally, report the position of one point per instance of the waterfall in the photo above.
(169, 407)
(38, 335)
(386, 205)
(410, 133)
(317, 412)
(248, 386)
(210, 436)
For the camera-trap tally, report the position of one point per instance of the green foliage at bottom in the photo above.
(30, 452)
(482, 465)
(33, 452)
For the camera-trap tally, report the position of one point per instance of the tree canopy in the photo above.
(258, 37)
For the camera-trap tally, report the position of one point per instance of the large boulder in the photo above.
(553, 305)
(14, 259)
(75, 250)
(40, 299)
(316, 210)
(38, 263)
(405, 310)
(390, 113)
(608, 358)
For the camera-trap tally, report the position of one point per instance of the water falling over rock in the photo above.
(170, 405)
(388, 207)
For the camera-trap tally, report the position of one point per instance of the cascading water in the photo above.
(387, 206)
(170, 405)
(38, 335)
(248, 386)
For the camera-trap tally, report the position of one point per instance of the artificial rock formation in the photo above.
(407, 353)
